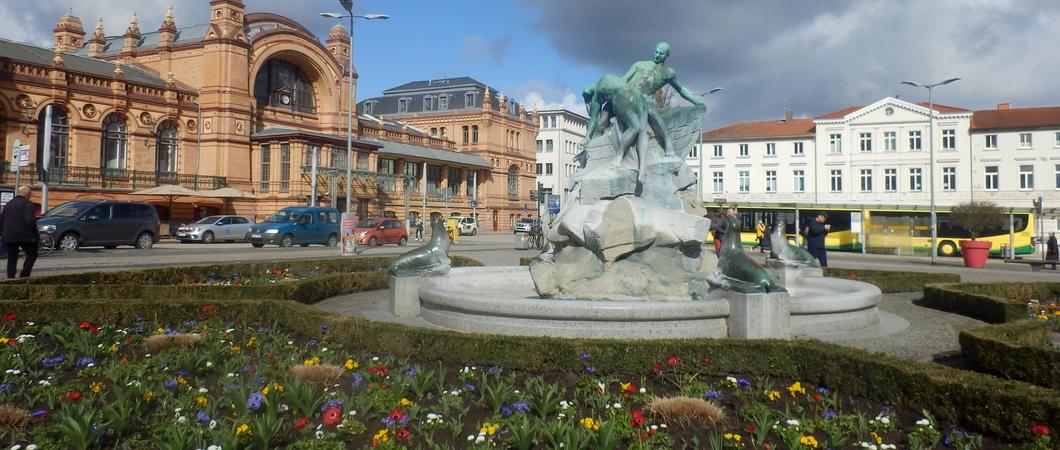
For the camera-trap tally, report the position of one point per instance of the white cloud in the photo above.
(569, 102)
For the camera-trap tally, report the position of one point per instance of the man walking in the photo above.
(18, 227)
(815, 233)
(419, 229)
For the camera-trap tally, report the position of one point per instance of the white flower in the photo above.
(34, 447)
(99, 346)
(44, 383)
(203, 390)
(923, 422)
(643, 390)
(147, 355)
(433, 416)
(617, 405)
(30, 324)
(213, 424)
(233, 329)
(209, 363)
(24, 337)
(470, 437)
(792, 422)
(178, 410)
(230, 375)
(654, 427)
(480, 439)
(887, 447)
(561, 415)
(564, 404)
(214, 447)
(182, 420)
(353, 412)
(375, 358)
(16, 447)
(662, 425)
(319, 434)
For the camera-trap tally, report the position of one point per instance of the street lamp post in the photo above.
(931, 152)
(702, 176)
(348, 6)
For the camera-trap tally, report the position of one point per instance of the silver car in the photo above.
(215, 228)
(524, 225)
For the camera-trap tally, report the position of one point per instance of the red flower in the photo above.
(270, 357)
(631, 388)
(298, 424)
(206, 309)
(396, 414)
(402, 434)
(706, 361)
(11, 316)
(71, 396)
(638, 419)
(816, 396)
(332, 415)
(673, 361)
(750, 428)
(382, 371)
(767, 446)
(656, 368)
(89, 327)
(1041, 429)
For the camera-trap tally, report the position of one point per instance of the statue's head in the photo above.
(662, 51)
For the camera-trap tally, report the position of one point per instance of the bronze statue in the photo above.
(780, 249)
(431, 259)
(738, 271)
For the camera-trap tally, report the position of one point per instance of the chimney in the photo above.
(1001, 106)
(787, 114)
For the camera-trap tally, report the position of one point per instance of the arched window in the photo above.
(60, 139)
(513, 181)
(474, 134)
(283, 85)
(166, 150)
(114, 145)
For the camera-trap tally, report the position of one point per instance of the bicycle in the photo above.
(46, 244)
(537, 238)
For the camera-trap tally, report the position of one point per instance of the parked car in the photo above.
(220, 228)
(300, 225)
(524, 225)
(381, 230)
(84, 223)
(467, 225)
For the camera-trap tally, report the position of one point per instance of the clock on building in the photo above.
(285, 99)
(889, 111)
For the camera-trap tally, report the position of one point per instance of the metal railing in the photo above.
(79, 177)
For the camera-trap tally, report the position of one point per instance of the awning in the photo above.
(390, 148)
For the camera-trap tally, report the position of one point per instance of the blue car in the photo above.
(300, 225)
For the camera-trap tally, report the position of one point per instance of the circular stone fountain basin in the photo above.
(502, 300)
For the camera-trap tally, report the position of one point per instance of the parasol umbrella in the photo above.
(169, 192)
(228, 193)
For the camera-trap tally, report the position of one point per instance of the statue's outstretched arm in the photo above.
(687, 94)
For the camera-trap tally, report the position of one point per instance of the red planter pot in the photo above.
(975, 253)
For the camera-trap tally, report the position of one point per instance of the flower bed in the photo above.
(302, 281)
(995, 302)
(206, 383)
(1008, 410)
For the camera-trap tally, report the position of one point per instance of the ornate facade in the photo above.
(248, 100)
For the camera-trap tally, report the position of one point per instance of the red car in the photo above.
(381, 230)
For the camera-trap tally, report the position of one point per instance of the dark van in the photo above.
(83, 223)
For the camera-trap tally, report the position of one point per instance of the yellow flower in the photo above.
(95, 387)
(201, 401)
(405, 402)
(1056, 313)
(877, 438)
(181, 381)
(160, 330)
(4, 340)
(250, 342)
(351, 364)
(772, 395)
(242, 428)
(149, 395)
(589, 423)
(113, 348)
(488, 428)
(1042, 317)
(382, 435)
(311, 361)
(235, 349)
(796, 388)
(809, 441)
(624, 386)
(265, 390)
(278, 387)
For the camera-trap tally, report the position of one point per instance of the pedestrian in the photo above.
(815, 232)
(1051, 249)
(767, 241)
(18, 227)
(760, 233)
(419, 229)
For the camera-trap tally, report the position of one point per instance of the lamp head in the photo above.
(911, 83)
(375, 16)
(331, 15)
(948, 81)
(717, 89)
(347, 5)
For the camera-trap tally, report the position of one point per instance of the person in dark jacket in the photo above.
(1051, 249)
(18, 227)
(815, 232)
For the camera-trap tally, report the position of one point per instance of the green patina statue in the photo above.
(783, 251)
(738, 272)
(631, 100)
(431, 259)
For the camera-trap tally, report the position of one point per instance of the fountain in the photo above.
(625, 256)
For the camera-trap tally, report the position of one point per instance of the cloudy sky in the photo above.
(812, 57)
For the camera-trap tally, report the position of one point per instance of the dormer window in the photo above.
(443, 102)
(367, 108)
(403, 105)
(469, 99)
(428, 103)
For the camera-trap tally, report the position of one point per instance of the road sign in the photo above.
(534, 193)
(23, 153)
(553, 204)
(474, 203)
(15, 146)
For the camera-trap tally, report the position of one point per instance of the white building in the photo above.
(558, 140)
(880, 155)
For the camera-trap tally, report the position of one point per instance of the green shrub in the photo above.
(976, 401)
(989, 302)
(525, 260)
(1017, 350)
(894, 281)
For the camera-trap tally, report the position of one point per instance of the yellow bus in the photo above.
(885, 230)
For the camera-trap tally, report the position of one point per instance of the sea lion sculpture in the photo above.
(780, 249)
(737, 271)
(430, 260)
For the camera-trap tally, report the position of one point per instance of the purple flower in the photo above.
(357, 380)
(254, 401)
(8, 387)
(39, 413)
(495, 370)
(506, 411)
(521, 406)
(170, 384)
(743, 382)
(311, 343)
(49, 362)
(585, 356)
(713, 394)
(470, 386)
(335, 402)
(411, 372)
(249, 368)
(829, 415)
(202, 417)
(590, 369)
(231, 387)
(85, 361)
(391, 423)
(822, 390)
(324, 328)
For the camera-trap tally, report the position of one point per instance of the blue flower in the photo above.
(254, 401)
(311, 343)
(590, 369)
(822, 390)
(170, 384)
(495, 370)
(48, 362)
(84, 361)
(357, 380)
(330, 403)
(506, 411)
(470, 386)
(521, 406)
(411, 372)
(8, 387)
(713, 394)
(585, 356)
(202, 417)
(743, 382)
(39, 413)
(829, 415)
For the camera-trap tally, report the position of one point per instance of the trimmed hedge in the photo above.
(980, 402)
(989, 302)
(1018, 350)
(894, 281)
(347, 276)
